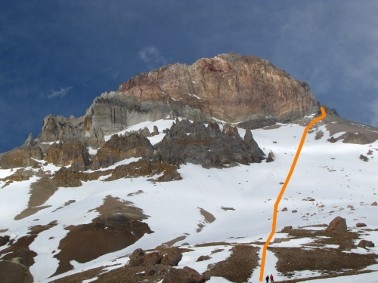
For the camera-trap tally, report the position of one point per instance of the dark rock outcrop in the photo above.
(185, 275)
(61, 129)
(122, 147)
(337, 225)
(86, 242)
(13, 272)
(21, 157)
(365, 244)
(169, 257)
(68, 153)
(230, 87)
(4, 240)
(357, 138)
(172, 257)
(209, 146)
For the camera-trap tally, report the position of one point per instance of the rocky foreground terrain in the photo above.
(173, 178)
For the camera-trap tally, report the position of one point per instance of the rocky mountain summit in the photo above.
(172, 178)
(233, 88)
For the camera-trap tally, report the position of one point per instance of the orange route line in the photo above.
(283, 188)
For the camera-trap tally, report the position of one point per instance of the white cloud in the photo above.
(152, 57)
(62, 92)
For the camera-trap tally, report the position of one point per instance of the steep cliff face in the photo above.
(229, 87)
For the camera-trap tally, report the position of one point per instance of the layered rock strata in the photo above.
(229, 87)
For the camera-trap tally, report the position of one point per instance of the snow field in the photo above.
(240, 198)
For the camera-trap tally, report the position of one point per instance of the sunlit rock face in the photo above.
(230, 87)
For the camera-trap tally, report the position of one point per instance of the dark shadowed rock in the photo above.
(203, 258)
(172, 257)
(67, 178)
(185, 275)
(364, 158)
(122, 147)
(152, 258)
(21, 157)
(337, 225)
(287, 229)
(12, 272)
(62, 129)
(357, 138)
(365, 244)
(208, 146)
(230, 87)
(4, 240)
(360, 225)
(137, 257)
(68, 153)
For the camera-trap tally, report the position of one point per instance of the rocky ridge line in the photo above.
(229, 87)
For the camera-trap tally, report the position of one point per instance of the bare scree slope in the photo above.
(173, 178)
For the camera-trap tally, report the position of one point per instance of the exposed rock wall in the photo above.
(119, 148)
(208, 146)
(229, 87)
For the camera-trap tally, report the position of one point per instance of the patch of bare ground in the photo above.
(14, 272)
(40, 192)
(149, 267)
(128, 274)
(79, 277)
(174, 241)
(67, 203)
(114, 205)
(29, 211)
(336, 125)
(119, 225)
(325, 276)
(46, 186)
(345, 240)
(18, 176)
(40, 228)
(324, 260)
(239, 266)
(163, 170)
(317, 257)
(19, 248)
(208, 218)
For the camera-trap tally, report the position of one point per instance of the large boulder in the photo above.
(172, 257)
(169, 257)
(337, 225)
(185, 275)
(365, 244)
(13, 272)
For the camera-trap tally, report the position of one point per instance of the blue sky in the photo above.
(56, 56)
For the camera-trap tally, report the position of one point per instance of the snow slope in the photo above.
(240, 198)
